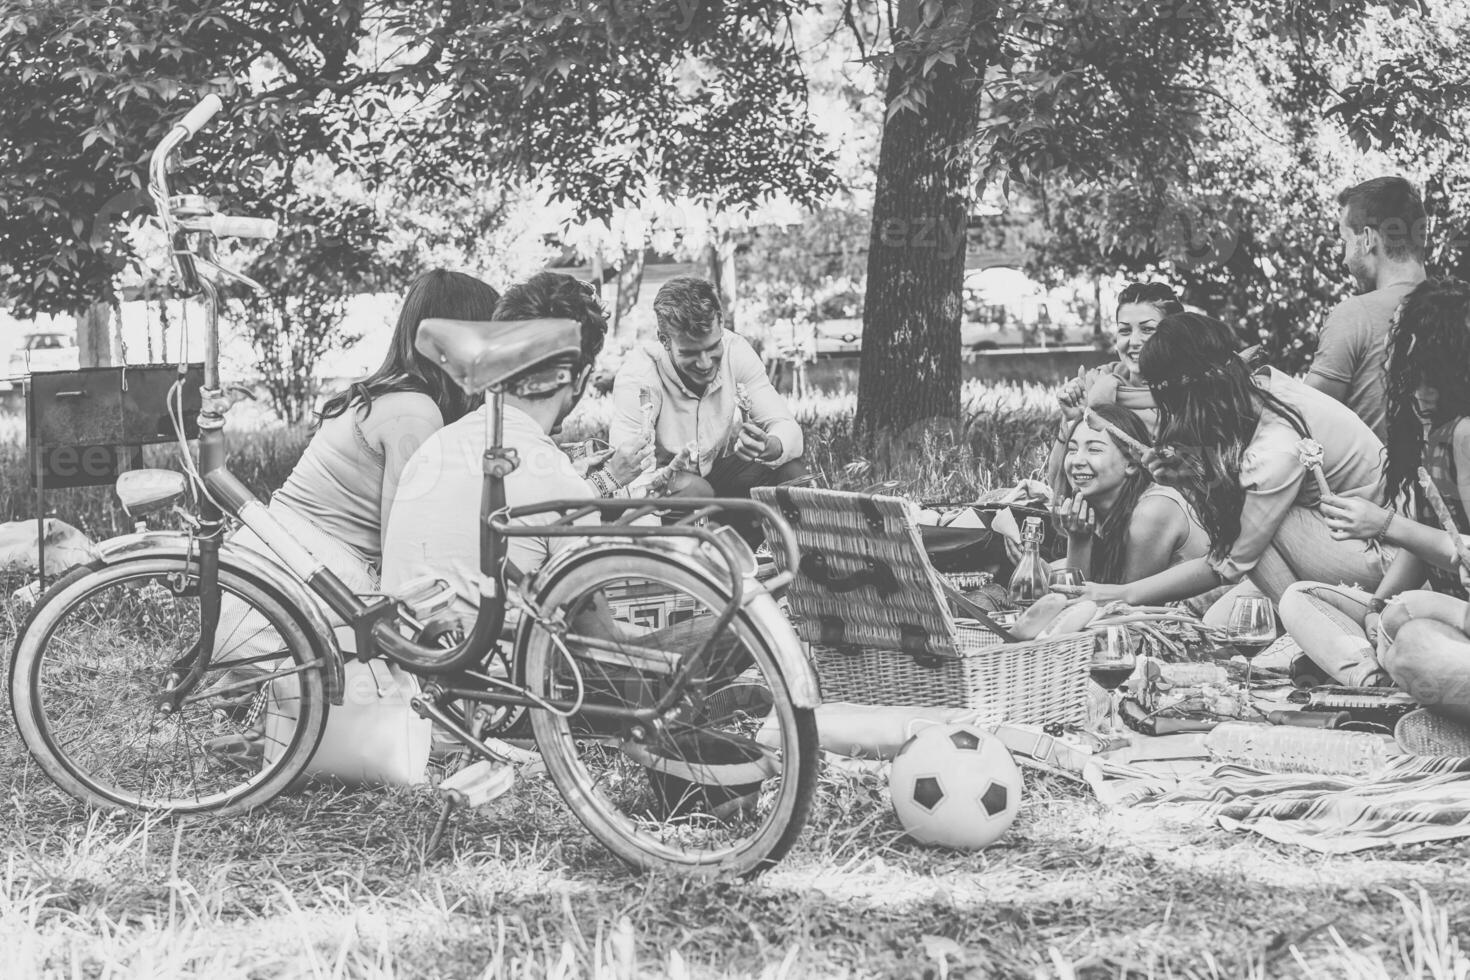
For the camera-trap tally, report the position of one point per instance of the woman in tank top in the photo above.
(1120, 525)
(1351, 633)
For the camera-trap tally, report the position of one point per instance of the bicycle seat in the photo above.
(482, 354)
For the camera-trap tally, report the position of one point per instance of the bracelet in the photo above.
(1377, 604)
(1384, 529)
(603, 483)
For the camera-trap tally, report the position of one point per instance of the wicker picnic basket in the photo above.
(880, 626)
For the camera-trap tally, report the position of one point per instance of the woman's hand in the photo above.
(1102, 594)
(1167, 466)
(586, 464)
(630, 459)
(1371, 626)
(1073, 396)
(1353, 518)
(1075, 518)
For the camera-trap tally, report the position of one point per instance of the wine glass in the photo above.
(1252, 628)
(1067, 581)
(1112, 664)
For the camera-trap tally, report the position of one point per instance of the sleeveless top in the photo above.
(1196, 543)
(1439, 460)
(339, 482)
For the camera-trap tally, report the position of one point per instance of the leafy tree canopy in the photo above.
(608, 103)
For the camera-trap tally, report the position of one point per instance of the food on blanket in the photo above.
(1039, 616)
(1431, 493)
(955, 785)
(1310, 451)
(866, 731)
(1192, 675)
(1072, 619)
(1025, 493)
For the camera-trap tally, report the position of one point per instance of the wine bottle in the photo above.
(1031, 580)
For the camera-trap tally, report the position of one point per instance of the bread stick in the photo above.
(1431, 493)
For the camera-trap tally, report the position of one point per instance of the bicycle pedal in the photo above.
(425, 596)
(478, 783)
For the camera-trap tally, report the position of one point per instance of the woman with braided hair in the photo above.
(1350, 633)
(1231, 441)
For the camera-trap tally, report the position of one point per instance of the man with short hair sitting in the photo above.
(433, 528)
(708, 390)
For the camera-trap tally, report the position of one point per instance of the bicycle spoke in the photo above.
(695, 772)
(100, 677)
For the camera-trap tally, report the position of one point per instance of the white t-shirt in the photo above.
(434, 526)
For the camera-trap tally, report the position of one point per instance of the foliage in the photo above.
(801, 274)
(1247, 226)
(608, 104)
(329, 250)
(1117, 103)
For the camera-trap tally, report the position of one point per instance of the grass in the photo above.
(337, 883)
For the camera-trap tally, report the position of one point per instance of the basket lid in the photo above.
(864, 579)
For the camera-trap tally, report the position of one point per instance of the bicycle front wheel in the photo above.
(91, 666)
(718, 781)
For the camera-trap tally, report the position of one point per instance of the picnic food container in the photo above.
(881, 631)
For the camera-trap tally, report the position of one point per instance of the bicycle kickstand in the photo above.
(475, 785)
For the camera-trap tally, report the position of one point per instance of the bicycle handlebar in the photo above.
(202, 113)
(239, 226)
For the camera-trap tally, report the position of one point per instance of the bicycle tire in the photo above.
(643, 825)
(117, 648)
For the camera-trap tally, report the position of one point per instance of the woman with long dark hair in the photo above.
(341, 489)
(1346, 631)
(1233, 443)
(1120, 525)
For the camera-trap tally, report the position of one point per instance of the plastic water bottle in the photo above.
(1032, 579)
(1284, 749)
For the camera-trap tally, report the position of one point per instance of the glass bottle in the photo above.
(1032, 578)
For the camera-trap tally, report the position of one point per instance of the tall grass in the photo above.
(1002, 436)
(260, 455)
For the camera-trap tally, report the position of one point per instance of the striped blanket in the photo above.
(1415, 799)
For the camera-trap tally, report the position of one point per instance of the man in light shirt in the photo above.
(705, 389)
(1382, 224)
(434, 525)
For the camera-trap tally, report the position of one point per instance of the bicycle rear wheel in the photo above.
(92, 660)
(721, 781)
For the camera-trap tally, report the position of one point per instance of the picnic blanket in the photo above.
(1415, 799)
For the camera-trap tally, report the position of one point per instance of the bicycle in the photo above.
(685, 739)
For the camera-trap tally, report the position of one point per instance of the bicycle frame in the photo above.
(378, 622)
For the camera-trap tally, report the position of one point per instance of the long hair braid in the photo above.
(1428, 347)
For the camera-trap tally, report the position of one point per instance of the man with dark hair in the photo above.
(433, 527)
(1382, 224)
(703, 388)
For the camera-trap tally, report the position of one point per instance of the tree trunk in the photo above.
(630, 282)
(1097, 313)
(597, 274)
(94, 335)
(910, 367)
(719, 263)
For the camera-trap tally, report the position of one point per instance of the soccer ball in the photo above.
(955, 786)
